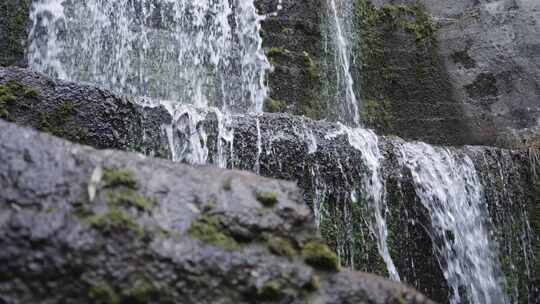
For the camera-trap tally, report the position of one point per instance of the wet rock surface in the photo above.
(486, 58)
(81, 113)
(13, 31)
(116, 227)
(319, 157)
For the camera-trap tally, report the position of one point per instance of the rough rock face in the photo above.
(327, 167)
(112, 227)
(13, 31)
(465, 73)
(294, 45)
(486, 63)
(81, 113)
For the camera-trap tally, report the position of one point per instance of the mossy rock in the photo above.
(118, 177)
(13, 27)
(60, 122)
(115, 219)
(209, 229)
(14, 95)
(318, 255)
(103, 292)
(272, 290)
(274, 106)
(129, 198)
(268, 199)
(281, 246)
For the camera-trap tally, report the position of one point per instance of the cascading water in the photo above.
(373, 188)
(341, 34)
(449, 188)
(205, 53)
(208, 54)
(198, 52)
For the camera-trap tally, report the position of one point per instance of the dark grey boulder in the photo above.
(87, 226)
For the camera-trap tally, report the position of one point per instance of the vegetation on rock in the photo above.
(268, 199)
(209, 229)
(320, 256)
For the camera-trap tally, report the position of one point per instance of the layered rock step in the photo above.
(116, 227)
(369, 194)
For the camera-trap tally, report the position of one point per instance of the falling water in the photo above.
(373, 187)
(341, 34)
(449, 188)
(202, 52)
(188, 135)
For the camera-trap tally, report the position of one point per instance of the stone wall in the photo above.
(488, 57)
(13, 31)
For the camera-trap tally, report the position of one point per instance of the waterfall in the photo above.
(200, 52)
(342, 35)
(449, 188)
(373, 188)
(202, 61)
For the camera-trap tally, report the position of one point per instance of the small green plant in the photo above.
(208, 229)
(281, 246)
(268, 199)
(320, 256)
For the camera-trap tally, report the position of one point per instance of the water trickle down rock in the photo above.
(450, 189)
(341, 36)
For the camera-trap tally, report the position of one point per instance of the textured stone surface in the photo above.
(63, 229)
(82, 113)
(303, 150)
(293, 42)
(13, 31)
(490, 59)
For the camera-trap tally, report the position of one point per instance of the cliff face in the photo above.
(326, 166)
(447, 73)
(460, 73)
(489, 52)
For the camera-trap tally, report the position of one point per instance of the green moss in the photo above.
(105, 293)
(320, 256)
(129, 198)
(115, 219)
(329, 231)
(142, 292)
(83, 213)
(268, 199)
(209, 229)
(311, 69)
(15, 18)
(281, 246)
(272, 290)
(7, 99)
(275, 51)
(12, 96)
(378, 113)
(30, 93)
(117, 177)
(57, 122)
(274, 106)
(381, 27)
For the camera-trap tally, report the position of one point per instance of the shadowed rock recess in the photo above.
(112, 227)
(320, 157)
